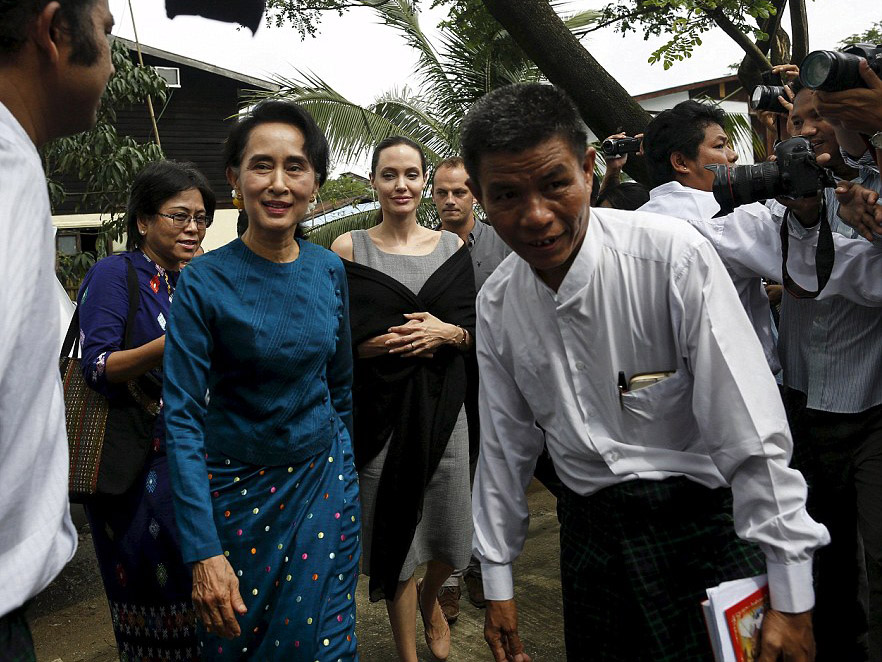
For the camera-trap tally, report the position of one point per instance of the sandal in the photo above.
(439, 646)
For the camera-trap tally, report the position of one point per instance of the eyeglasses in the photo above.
(182, 220)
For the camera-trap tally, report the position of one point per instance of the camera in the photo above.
(832, 71)
(765, 96)
(795, 173)
(620, 146)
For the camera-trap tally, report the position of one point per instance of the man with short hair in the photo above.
(678, 144)
(455, 205)
(54, 66)
(595, 305)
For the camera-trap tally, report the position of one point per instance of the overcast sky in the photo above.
(361, 58)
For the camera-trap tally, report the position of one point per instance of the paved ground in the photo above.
(71, 622)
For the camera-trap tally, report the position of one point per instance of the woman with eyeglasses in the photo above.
(123, 310)
(265, 488)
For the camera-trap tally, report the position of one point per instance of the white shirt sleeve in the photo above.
(510, 444)
(741, 418)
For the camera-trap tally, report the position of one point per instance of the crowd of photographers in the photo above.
(810, 220)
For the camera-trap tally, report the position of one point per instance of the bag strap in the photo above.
(72, 339)
(134, 301)
(825, 255)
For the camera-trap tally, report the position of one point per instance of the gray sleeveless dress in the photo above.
(445, 530)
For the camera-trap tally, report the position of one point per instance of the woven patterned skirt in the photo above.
(635, 561)
(291, 534)
(148, 585)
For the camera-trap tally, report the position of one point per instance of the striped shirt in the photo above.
(831, 349)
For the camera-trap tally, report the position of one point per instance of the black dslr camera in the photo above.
(765, 96)
(620, 146)
(795, 173)
(832, 71)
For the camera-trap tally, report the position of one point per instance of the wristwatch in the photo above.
(876, 140)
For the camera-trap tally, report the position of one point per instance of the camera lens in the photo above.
(740, 185)
(830, 71)
(765, 97)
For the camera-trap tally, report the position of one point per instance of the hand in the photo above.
(216, 596)
(501, 632)
(858, 109)
(421, 334)
(787, 71)
(806, 210)
(375, 346)
(858, 206)
(787, 637)
(787, 103)
(774, 292)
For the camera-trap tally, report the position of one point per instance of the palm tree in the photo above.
(474, 55)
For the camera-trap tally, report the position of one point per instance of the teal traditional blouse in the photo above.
(258, 366)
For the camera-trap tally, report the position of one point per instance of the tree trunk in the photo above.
(605, 105)
(749, 71)
(799, 27)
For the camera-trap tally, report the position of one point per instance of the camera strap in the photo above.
(825, 255)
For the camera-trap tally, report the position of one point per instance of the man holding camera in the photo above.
(831, 351)
(679, 145)
(619, 340)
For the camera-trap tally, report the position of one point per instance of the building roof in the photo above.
(688, 86)
(251, 81)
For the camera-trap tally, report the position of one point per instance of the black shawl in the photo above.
(412, 402)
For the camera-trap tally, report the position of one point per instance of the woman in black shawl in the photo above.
(412, 311)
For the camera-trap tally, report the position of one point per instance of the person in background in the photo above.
(412, 310)
(613, 192)
(652, 472)
(132, 517)
(259, 413)
(54, 66)
(455, 205)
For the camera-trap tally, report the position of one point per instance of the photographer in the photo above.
(831, 352)
(678, 144)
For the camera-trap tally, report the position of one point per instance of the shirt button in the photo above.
(580, 365)
(322, 377)
(337, 292)
(614, 457)
(325, 399)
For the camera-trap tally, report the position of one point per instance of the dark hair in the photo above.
(157, 182)
(680, 129)
(517, 117)
(624, 195)
(16, 17)
(285, 112)
(391, 141)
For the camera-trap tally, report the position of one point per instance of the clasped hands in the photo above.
(419, 337)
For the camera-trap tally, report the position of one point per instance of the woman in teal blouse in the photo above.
(258, 413)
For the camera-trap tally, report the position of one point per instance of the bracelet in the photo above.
(462, 344)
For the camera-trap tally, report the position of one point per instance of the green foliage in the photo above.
(683, 22)
(872, 35)
(344, 188)
(305, 15)
(103, 160)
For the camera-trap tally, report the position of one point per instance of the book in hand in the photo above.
(734, 612)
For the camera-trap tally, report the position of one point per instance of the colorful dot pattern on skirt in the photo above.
(291, 536)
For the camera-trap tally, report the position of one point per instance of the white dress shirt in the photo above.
(36, 534)
(641, 296)
(749, 242)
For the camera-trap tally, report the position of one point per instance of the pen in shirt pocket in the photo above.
(623, 388)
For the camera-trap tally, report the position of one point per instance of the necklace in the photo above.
(160, 272)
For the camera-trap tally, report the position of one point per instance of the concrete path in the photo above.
(71, 623)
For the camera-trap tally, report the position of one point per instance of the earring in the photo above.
(143, 231)
(237, 200)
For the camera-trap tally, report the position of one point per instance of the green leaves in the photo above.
(103, 160)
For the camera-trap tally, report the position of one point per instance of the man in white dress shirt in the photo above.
(592, 306)
(54, 66)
